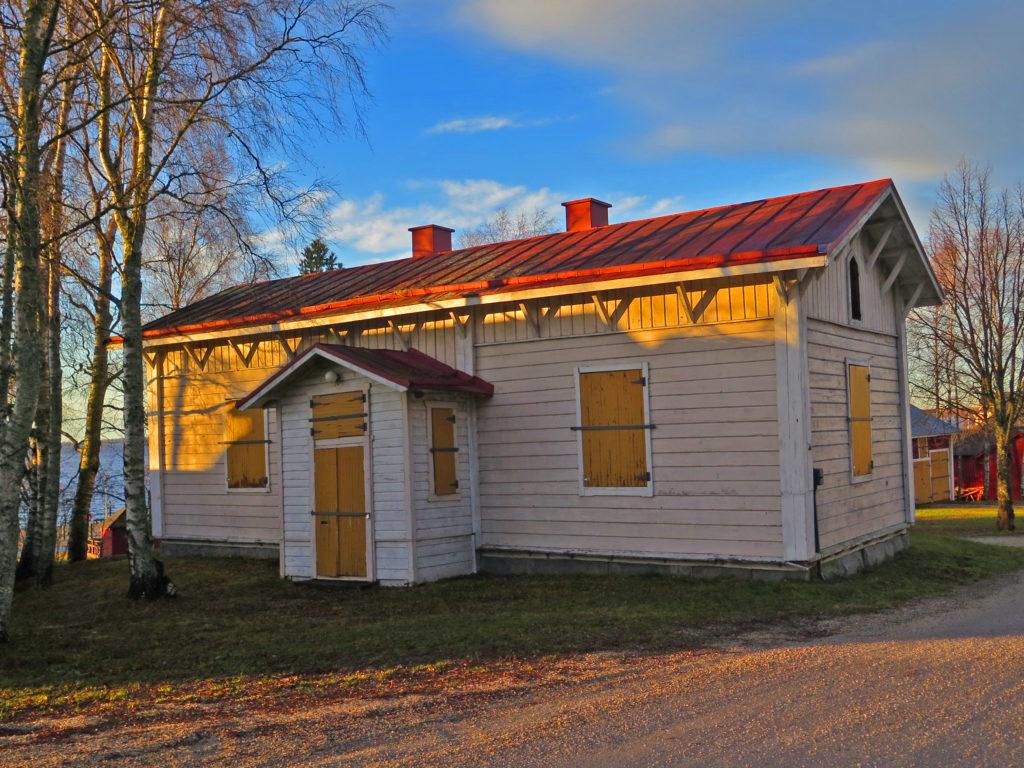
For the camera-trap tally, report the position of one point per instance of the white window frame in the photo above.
(638, 490)
(432, 495)
(229, 404)
(849, 424)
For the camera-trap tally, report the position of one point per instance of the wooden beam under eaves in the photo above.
(532, 318)
(283, 341)
(602, 311)
(894, 274)
(877, 251)
(461, 320)
(909, 303)
(199, 359)
(245, 356)
(684, 303)
(404, 339)
(780, 288)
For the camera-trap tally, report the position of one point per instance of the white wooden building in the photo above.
(660, 394)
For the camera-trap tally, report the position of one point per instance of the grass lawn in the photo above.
(238, 630)
(974, 519)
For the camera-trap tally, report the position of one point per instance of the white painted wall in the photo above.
(443, 524)
(847, 509)
(715, 445)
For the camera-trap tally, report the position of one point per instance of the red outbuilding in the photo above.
(975, 464)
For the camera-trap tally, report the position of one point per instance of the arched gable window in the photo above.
(855, 312)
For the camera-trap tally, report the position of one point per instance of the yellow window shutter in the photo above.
(860, 419)
(443, 451)
(613, 430)
(340, 415)
(247, 451)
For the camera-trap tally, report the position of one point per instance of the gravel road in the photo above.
(940, 683)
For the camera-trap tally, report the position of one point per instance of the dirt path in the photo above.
(937, 683)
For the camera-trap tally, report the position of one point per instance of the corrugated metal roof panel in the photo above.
(761, 230)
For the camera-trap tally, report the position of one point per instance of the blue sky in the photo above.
(660, 106)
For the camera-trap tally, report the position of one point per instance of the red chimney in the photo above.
(430, 240)
(585, 214)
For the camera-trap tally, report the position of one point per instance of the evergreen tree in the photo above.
(316, 258)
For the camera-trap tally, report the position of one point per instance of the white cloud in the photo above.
(906, 97)
(474, 125)
(379, 232)
(490, 123)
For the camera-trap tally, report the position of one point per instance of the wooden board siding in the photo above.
(733, 299)
(828, 297)
(847, 509)
(196, 502)
(715, 452)
(443, 524)
(387, 472)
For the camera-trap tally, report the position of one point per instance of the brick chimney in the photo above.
(585, 214)
(430, 240)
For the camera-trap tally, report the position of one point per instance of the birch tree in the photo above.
(33, 25)
(248, 71)
(977, 245)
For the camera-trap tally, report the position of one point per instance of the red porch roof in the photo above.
(402, 370)
(762, 231)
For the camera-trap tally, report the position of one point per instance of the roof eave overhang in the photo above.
(807, 260)
(925, 298)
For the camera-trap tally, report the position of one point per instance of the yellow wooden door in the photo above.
(940, 475)
(340, 512)
(922, 481)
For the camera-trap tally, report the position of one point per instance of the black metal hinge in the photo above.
(646, 477)
(642, 381)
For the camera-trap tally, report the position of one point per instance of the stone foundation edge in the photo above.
(185, 548)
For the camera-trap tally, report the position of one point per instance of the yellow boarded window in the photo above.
(443, 451)
(860, 419)
(612, 428)
(340, 415)
(247, 448)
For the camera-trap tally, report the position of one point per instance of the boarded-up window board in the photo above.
(340, 415)
(443, 451)
(613, 432)
(860, 419)
(246, 442)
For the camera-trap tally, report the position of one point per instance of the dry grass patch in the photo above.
(238, 632)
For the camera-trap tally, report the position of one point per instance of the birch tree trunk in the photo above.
(39, 21)
(99, 382)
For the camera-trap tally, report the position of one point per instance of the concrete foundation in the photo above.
(508, 563)
(187, 548)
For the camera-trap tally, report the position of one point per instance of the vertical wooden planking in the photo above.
(352, 504)
(325, 480)
(613, 458)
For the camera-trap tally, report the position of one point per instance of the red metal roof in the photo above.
(408, 370)
(760, 231)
